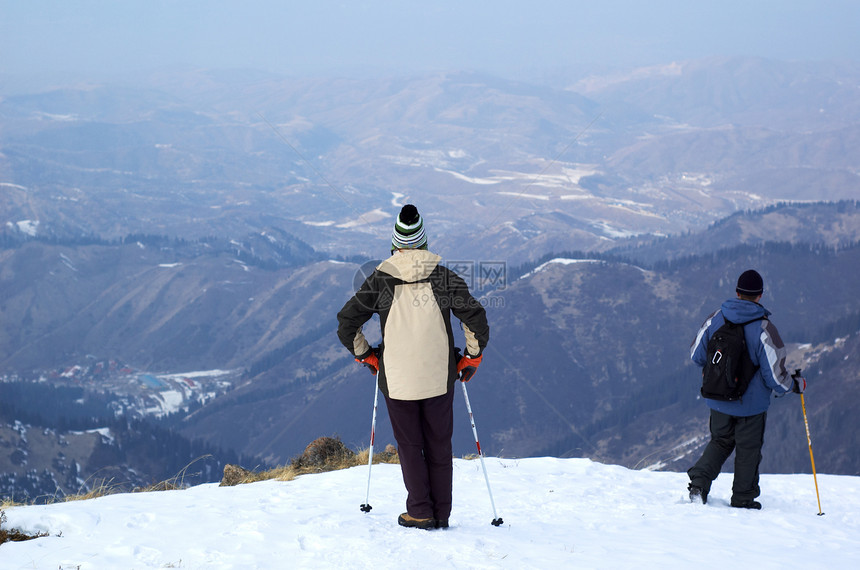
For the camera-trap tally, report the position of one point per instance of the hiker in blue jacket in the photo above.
(739, 424)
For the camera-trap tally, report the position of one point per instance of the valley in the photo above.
(172, 257)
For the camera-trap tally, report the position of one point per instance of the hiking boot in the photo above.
(748, 504)
(697, 494)
(412, 522)
(443, 523)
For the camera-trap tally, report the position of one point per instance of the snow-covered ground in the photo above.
(558, 513)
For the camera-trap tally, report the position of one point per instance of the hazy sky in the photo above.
(501, 36)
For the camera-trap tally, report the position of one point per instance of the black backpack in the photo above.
(729, 368)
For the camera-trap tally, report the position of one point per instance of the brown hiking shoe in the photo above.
(412, 522)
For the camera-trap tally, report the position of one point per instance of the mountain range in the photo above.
(583, 346)
(218, 221)
(514, 170)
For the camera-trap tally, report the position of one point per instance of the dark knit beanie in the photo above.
(409, 230)
(750, 283)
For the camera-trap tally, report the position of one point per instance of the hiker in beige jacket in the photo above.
(417, 362)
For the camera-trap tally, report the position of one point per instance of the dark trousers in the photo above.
(423, 430)
(744, 435)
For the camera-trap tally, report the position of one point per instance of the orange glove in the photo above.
(467, 366)
(370, 360)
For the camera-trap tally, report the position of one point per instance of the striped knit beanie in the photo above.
(750, 283)
(409, 230)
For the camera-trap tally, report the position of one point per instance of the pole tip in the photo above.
(497, 522)
(365, 508)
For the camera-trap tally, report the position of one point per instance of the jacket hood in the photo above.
(410, 265)
(741, 310)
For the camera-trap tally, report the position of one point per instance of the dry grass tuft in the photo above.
(101, 488)
(15, 535)
(174, 483)
(6, 503)
(337, 462)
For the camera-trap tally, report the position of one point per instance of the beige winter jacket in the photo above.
(414, 297)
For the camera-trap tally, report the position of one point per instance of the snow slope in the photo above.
(558, 513)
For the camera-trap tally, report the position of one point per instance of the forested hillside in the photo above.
(56, 441)
(174, 249)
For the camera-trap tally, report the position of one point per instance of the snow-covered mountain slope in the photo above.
(558, 513)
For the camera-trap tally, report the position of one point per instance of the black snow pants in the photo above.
(744, 435)
(423, 430)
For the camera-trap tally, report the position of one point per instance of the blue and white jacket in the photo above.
(765, 348)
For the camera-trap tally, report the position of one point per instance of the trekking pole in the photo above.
(366, 506)
(809, 441)
(497, 520)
